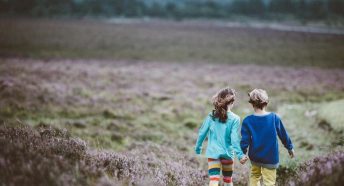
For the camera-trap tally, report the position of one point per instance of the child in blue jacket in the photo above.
(259, 133)
(221, 126)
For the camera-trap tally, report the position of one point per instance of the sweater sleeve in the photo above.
(235, 139)
(202, 134)
(245, 137)
(283, 135)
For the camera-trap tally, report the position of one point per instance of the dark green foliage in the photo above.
(79, 124)
(109, 114)
(282, 6)
(248, 7)
(325, 125)
(191, 124)
(306, 145)
(336, 7)
(117, 136)
(284, 172)
(301, 9)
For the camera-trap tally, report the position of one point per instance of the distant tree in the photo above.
(336, 7)
(51, 7)
(282, 6)
(171, 9)
(191, 9)
(20, 7)
(318, 9)
(257, 7)
(248, 7)
(210, 9)
(133, 8)
(302, 9)
(4, 6)
(156, 10)
(240, 7)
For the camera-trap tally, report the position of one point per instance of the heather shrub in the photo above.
(150, 163)
(128, 105)
(48, 156)
(322, 170)
(30, 157)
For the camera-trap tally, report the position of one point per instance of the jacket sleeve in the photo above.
(245, 137)
(283, 135)
(202, 134)
(235, 139)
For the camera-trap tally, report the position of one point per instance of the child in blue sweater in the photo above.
(259, 133)
(222, 129)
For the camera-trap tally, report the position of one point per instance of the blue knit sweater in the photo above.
(259, 134)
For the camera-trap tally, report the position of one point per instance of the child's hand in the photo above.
(291, 153)
(243, 159)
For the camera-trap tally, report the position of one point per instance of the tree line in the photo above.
(179, 9)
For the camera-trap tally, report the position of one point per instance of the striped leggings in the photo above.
(214, 170)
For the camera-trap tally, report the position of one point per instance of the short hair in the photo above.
(258, 98)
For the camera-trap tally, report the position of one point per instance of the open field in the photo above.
(94, 103)
(115, 104)
(167, 42)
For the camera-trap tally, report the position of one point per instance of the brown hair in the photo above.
(258, 98)
(221, 100)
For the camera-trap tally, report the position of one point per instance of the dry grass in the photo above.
(166, 42)
(115, 98)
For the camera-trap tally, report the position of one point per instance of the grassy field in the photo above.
(167, 42)
(136, 105)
